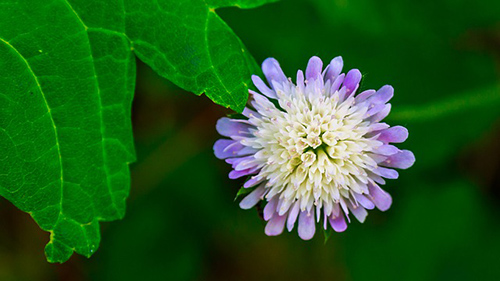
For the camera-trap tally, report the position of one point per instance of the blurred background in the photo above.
(443, 59)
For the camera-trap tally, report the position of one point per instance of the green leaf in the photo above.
(242, 191)
(189, 44)
(67, 76)
(327, 233)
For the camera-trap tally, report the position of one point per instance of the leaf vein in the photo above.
(56, 135)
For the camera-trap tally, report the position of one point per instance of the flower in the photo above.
(313, 150)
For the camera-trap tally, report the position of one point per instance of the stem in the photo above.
(484, 97)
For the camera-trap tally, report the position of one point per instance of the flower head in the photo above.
(315, 150)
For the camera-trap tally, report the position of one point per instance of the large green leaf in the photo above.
(67, 75)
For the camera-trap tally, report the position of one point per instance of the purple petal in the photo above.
(262, 87)
(374, 110)
(248, 162)
(396, 134)
(272, 71)
(237, 160)
(377, 157)
(338, 223)
(307, 227)
(382, 114)
(344, 208)
(300, 78)
(402, 160)
(351, 81)
(386, 149)
(325, 220)
(318, 213)
(292, 216)
(238, 174)
(364, 95)
(253, 198)
(224, 148)
(260, 101)
(378, 126)
(275, 225)
(378, 179)
(334, 69)
(242, 163)
(386, 173)
(336, 84)
(363, 201)
(253, 181)
(383, 95)
(359, 212)
(381, 198)
(336, 210)
(248, 113)
(247, 150)
(270, 208)
(314, 67)
(342, 94)
(228, 128)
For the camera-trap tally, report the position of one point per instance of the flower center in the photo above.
(314, 149)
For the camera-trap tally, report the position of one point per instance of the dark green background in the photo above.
(442, 57)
